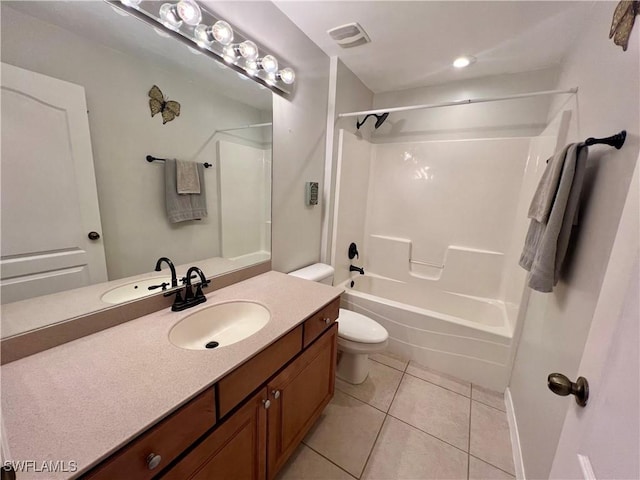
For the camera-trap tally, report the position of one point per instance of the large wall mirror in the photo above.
(67, 173)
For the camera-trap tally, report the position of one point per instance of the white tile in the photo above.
(305, 464)
(479, 470)
(404, 452)
(490, 439)
(433, 409)
(345, 432)
(379, 387)
(488, 397)
(445, 381)
(391, 360)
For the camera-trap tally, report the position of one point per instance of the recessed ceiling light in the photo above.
(465, 61)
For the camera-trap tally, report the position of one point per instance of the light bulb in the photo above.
(248, 50)
(462, 62)
(287, 75)
(131, 3)
(169, 16)
(189, 11)
(268, 63)
(222, 32)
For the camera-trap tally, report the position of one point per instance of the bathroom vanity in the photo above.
(127, 403)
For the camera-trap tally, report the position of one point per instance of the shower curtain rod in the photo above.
(457, 102)
(241, 127)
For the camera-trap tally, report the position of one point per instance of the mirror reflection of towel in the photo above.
(187, 178)
(181, 208)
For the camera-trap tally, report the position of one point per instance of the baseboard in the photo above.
(515, 437)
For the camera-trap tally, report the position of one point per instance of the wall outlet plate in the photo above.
(311, 193)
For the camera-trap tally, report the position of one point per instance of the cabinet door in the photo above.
(298, 395)
(235, 451)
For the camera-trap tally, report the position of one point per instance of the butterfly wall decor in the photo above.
(624, 17)
(159, 104)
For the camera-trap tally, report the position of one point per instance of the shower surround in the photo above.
(437, 223)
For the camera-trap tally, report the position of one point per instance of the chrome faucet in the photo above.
(174, 277)
(191, 299)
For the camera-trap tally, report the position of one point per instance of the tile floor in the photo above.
(406, 422)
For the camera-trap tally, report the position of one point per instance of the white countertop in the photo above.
(83, 400)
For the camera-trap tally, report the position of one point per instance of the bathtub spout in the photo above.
(353, 268)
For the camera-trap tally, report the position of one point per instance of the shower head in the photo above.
(379, 120)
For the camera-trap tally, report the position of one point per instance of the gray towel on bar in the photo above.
(546, 243)
(545, 193)
(187, 178)
(181, 208)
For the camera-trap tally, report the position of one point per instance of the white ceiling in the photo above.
(414, 43)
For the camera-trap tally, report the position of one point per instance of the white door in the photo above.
(48, 188)
(602, 440)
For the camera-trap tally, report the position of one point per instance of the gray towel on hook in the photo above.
(547, 241)
(181, 208)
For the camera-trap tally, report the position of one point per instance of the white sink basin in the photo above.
(219, 325)
(134, 290)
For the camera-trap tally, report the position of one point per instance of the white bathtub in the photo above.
(464, 336)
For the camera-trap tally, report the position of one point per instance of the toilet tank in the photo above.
(318, 272)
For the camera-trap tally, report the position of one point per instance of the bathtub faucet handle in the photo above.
(353, 251)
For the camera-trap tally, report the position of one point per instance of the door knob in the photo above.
(561, 385)
(93, 235)
(153, 461)
(276, 394)
(266, 403)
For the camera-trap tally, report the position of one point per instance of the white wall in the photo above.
(130, 190)
(557, 324)
(353, 167)
(512, 118)
(350, 95)
(299, 127)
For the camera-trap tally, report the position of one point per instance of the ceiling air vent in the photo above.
(349, 35)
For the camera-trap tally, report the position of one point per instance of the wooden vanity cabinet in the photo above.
(298, 395)
(237, 450)
(265, 407)
(255, 441)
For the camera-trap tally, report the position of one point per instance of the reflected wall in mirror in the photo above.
(64, 176)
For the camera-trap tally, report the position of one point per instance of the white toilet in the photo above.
(358, 335)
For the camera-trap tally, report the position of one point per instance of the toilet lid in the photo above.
(358, 328)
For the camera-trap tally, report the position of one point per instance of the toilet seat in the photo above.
(355, 327)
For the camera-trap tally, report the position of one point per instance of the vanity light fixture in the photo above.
(220, 32)
(173, 14)
(186, 21)
(268, 63)
(465, 61)
(287, 75)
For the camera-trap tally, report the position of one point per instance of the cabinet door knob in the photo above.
(276, 394)
(266, 403)
(153, 460)
(327, 321)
